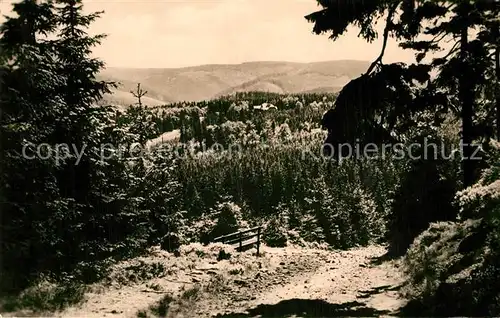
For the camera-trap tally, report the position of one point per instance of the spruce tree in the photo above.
(29, 104)
(107, 213)
(462, 69)
(60, 215)
(82, 90)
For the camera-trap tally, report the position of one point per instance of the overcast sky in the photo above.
(176, 33)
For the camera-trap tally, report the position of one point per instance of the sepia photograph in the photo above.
(249, 158)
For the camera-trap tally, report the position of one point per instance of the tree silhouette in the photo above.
(407, 21)
(81, 91)
(467, 59)
(398, 100)
(29, 100)
(58, 213)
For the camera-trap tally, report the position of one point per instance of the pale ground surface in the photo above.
(169, 136)
(283, 282)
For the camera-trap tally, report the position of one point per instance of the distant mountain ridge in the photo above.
(204, 82)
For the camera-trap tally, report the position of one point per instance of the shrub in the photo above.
(223, 255)
(45, 296)
(275, 233)
(171, 242)
(425, 195)
(452, 269)
(224, 219)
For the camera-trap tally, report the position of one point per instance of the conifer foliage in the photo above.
(465, 72)
(60, 212)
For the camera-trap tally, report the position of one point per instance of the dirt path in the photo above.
(289, 282)
(348, 284)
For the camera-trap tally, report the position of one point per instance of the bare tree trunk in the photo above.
(497, 62)
(139, 93)
(467, 99)
(2, 181)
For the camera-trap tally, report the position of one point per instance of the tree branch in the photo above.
(439, 37)
(388, 26)
(452, 50)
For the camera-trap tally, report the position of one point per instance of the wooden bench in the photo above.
(242, 239)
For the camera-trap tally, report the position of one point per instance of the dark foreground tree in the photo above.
(28, 102)
(460, 69)
(404, 103)
(63, 209)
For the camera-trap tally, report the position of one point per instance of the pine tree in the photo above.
(81, 91)
(467, 59)
(371, 95)
(462, 87)
(48, 92)
(34, 20)
(103, 218)
(29, 103)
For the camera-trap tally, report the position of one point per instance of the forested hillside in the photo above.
(207, 82)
